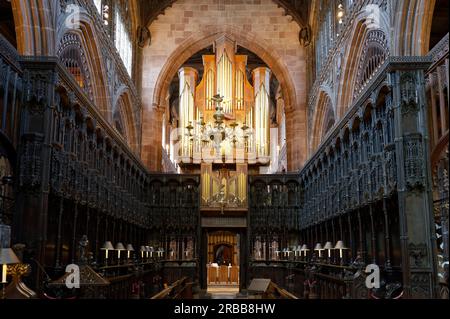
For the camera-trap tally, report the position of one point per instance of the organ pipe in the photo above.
(210, 89)
(225, 82)
(188, 78)
(239, 90)
(261, 79)
(244, 104)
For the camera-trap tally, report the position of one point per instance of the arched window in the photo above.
(123, 34)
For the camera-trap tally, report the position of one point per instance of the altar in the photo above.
(222, 275)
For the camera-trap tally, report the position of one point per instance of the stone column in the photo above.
(296, 130)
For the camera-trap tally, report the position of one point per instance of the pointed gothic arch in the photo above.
(124, 119)
(84, 40)
(196, 43)
(369, 44)
(412, 27)
(323, 120)
(35, 28)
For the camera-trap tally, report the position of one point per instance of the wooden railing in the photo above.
(304, 280)
(276, 292)
(181, 289)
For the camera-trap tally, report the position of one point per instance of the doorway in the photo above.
(223, 262)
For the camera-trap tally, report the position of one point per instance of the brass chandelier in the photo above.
(219, 133)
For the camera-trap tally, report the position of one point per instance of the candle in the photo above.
(4, 273)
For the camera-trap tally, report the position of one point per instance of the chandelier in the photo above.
(218, 134)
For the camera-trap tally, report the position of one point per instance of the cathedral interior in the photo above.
(197, 149)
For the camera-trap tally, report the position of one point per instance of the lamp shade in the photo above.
(147, 248)
(8, 257)
(318, 247)
(151, 249)
(304, 248)
(340, 245)
(328, 245)
(143, 248)
(120, 246)
(108, 246)
(130, 247)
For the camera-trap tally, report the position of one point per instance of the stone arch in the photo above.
(200, 41)
(35, 29)
(412, 26)
(204, 39)
(123, 110)
(323, 116)
(362, 27)
(94, 59)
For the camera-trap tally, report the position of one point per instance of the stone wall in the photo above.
(189, 26)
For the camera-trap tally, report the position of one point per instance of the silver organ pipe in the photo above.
(210, 89)
(239, 90)
(225, 82)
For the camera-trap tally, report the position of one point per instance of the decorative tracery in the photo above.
(374, 53)
(73, 57)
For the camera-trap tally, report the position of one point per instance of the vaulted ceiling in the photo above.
(298, 9)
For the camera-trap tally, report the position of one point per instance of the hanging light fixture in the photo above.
(218, 133)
